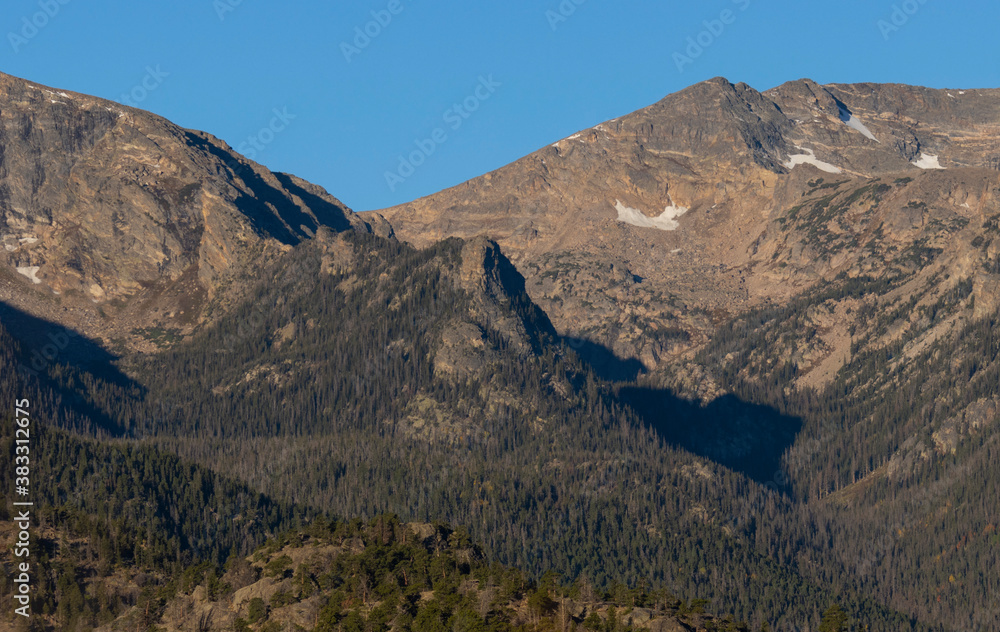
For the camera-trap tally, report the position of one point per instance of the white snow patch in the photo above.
(966, 205)
(950, 95)
(63, 94)
(809, 158)
(31, 273)
(28, 240)
(667, 220)
(854, 123)
(927, 161)
(573, 137)
(676, 251)
(961, 91)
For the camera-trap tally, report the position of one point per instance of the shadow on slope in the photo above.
(273, 211)
(603, 361)
(745, 437)
(45, 356)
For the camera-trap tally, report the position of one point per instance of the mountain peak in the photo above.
(108, 207)
(681, 194)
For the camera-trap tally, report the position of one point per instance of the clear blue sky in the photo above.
(230, 63)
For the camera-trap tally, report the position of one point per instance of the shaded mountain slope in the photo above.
(114, 219)
(584, 219)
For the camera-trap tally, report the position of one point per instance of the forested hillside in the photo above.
(457, 403)
(779, 395)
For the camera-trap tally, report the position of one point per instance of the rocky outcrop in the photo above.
(645, 232)
(107, 207)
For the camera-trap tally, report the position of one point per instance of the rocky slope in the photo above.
(113, 219)
(647, 231)
(329, 576)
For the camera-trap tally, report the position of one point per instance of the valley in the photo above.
(733, 353)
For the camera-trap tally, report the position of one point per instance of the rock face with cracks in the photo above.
(113, 218)
(645, 232)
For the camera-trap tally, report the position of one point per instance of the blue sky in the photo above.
(523, 73)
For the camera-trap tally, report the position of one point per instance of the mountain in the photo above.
(645, 232)
(113, 219)
(361, 376)
(826, 252)
(785, 404)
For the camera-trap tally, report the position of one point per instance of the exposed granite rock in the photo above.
(746, 179)
(105, 206)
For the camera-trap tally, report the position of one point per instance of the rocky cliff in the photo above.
(647, 231)
(113, 219)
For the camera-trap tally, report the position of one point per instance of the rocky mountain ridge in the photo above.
(112, 218)
(732, 169)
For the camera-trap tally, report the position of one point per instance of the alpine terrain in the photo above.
(729, 362)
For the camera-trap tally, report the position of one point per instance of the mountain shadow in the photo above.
(745, 437)
(603, 361)
(43, 356)
(273, 211)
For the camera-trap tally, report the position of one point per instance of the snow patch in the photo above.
(573, 137)
(31, 273)
(927, 161)
(961, 91)
(63, 94)
(667, 220)
(28, 240)
(809, 158)
(854, 123)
